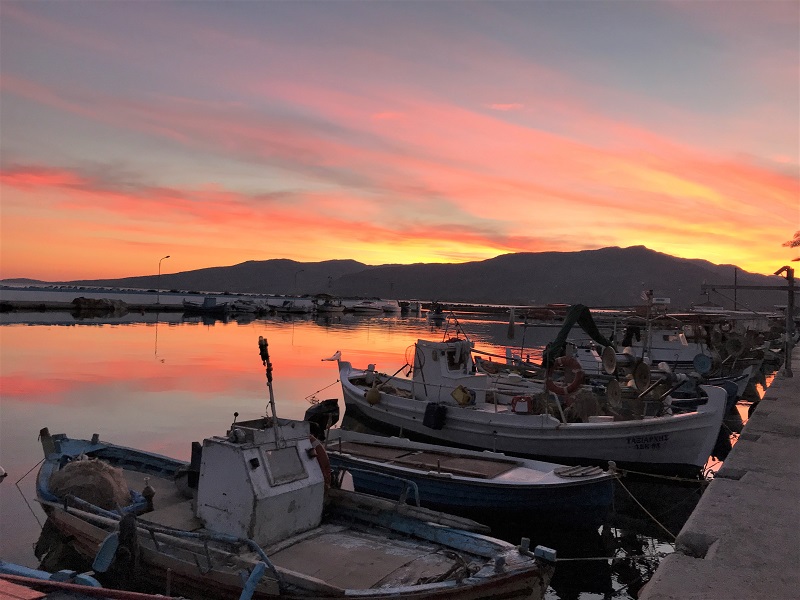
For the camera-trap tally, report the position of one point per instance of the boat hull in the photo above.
(585, 505)
(187, 578)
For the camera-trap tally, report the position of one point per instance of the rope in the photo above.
(313, 395)
(612, 558)
(656, 476)
(744, 304)
(649, 514)
(33, 512)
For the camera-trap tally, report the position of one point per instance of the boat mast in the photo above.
(263, 348)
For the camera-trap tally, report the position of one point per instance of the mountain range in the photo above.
(608, 277)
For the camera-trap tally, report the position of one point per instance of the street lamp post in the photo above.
(158, 284)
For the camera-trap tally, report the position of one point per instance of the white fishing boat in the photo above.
(447, 402)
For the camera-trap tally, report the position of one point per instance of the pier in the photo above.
(743, 539)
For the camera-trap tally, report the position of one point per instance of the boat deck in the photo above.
(171, 508)
(355, 558)
(359, 560)
(483, 468)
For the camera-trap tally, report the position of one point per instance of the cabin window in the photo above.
(452, 365)
(284, 466)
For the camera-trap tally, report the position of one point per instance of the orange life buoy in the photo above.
(568, 363)
(322, 459)
(526, 399)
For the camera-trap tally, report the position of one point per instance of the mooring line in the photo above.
(631, 556)
(21, 493)
(649, 514)
(657, 476)
(313, 395)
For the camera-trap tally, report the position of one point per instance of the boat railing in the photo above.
(409, 486)
(106, 517)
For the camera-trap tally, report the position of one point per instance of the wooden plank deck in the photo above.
(484, 468)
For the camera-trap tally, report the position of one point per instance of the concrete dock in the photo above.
(743, 540)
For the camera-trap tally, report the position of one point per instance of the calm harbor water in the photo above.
(159, 382)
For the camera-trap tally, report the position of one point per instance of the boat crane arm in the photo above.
(263, 348)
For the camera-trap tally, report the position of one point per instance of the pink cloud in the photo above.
(506, 107)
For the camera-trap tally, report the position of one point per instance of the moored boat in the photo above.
(256, 501)
(209, 306)
(329, 305)
(479, 484)
(446, 402)
(367, 307)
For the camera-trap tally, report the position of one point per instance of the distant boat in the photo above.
(208, 306)
(293, 307)
(436, 313)
(390, 306)
(368, 307)
(472, 483)
(329, 305)
(246, 307)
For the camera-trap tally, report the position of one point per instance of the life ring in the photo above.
(322, 459)
(568, 363)
(526, 399)
(725, 326)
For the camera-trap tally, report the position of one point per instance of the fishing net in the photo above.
(94, 481)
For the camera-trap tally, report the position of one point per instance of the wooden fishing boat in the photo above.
(480, 484)
(447, 402)
(252, 516)
(259, 508)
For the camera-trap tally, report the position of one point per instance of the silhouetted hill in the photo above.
(606, 277)
(276, 276)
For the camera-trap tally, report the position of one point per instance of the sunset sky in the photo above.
(394, 132)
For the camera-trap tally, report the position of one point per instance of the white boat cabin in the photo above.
(261, 482)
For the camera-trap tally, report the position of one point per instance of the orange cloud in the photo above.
(391, 170)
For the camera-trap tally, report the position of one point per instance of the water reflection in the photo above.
(82, 376)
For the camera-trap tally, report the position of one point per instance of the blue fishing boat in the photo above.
(484, 485)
